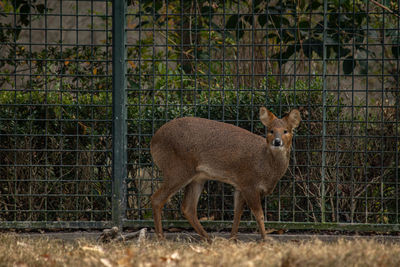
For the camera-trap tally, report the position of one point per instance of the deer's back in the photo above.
(203, 141)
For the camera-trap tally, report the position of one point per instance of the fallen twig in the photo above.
(113, 234)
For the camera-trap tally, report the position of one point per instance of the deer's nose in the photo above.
(277, 142)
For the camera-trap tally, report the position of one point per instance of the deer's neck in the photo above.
(278, 160)
(273, 168)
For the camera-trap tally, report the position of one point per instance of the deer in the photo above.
(190, 150)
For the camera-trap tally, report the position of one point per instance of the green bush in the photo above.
(55, 154)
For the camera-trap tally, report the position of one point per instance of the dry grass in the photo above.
(23, 251)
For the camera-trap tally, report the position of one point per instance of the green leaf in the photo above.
(363, 67)
(221, 31)
(207, 12)
(359, 37)
(311, 45)
(232, 22)
(133, 85)
(272, 35)
(287, 54)
(24, 13)
(396, 51)
(349, 64)
(341, 51)
(288, 35)
(240, 30)
(249, 19)
(203, 55)
(279, 20)
(256, 5)
(314, 6)
(41, 8)
(262, 19)
(158, 5)
(161, 68)
(235, 23)
(360, 17)
(305, 25)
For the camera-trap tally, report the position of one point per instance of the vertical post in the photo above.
(119, 131)
(323, 159)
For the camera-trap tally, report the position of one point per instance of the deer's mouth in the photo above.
(274, 147)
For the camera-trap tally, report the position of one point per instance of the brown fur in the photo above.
(190, 151)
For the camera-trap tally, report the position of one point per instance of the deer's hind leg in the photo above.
(189, 206)
(175, 178)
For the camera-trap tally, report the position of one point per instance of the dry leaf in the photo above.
(94, 249)
(125, 261)
(173, 257)
(22, 244)
(106, 262)
(133, 65)
(46, 256)
(197, 249)
(211, 218)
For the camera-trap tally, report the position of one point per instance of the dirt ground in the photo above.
(184, 249)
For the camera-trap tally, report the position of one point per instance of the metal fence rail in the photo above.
(85, 85)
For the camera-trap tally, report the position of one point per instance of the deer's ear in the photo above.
(293, 119)
(266, 116)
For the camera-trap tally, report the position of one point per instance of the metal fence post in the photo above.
(119, 133)
(323, 159)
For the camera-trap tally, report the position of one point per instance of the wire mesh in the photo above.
(55, 116)
(336, 61)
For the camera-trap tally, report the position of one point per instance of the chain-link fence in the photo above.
(85, 85)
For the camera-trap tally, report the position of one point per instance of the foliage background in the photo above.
(214, 59)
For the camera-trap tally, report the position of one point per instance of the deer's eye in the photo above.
(285, 132)
(271, 132)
